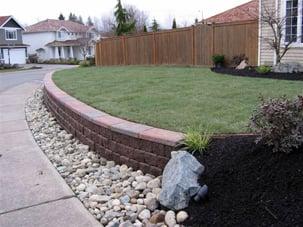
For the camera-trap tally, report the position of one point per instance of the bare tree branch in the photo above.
(277, 25)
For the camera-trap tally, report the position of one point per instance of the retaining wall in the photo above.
(136, 145)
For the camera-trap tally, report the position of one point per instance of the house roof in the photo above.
(3, 19)
(73, 42)
(244, 12)
(51, 25)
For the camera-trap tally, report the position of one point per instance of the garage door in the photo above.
(17, 56)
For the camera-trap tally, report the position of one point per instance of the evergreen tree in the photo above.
(70, 17)
(61, 17)
(174, 24)
(155, 26)
(73, 17)
(123, 23)
(89, 22)
(80, 20)
(144, 28)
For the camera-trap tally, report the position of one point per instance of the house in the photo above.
(245, 12)
(60, 39)
(12, 49)
(291, 11)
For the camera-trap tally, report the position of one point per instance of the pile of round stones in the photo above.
(115, 194)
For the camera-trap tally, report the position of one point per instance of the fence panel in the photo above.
(235, 39)
(112, 51)
(187, 46)
(204, 44)
(139, 50)
(174, 47)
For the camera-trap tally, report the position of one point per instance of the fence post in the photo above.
(193, 45)
(213, 39)
(100, 53)
(124, 49)
(154, 49)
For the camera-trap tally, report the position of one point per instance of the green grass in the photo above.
(175, 98)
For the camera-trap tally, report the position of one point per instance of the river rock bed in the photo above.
(115, 194)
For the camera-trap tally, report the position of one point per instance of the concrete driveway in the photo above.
(32, 193)
(12, 79)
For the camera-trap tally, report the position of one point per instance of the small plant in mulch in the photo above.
(195, 141)
(263, 69)
(279, 123)
(218, 60)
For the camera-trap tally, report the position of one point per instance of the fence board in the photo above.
(186, 46)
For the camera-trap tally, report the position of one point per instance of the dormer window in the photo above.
(11, 34)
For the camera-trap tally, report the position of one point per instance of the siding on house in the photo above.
(3, 41)
(37, 41)
(267, 55)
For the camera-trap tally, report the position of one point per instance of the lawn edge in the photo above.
(137, 130)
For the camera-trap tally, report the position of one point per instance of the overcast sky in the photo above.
(185, 11)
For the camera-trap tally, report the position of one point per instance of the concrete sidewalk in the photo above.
(32, 193)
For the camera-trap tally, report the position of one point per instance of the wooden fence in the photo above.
(187, 46)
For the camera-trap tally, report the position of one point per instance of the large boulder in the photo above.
(291, 67)
(180, 181)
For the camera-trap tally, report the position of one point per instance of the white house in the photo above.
(12, 49)
(60, 39)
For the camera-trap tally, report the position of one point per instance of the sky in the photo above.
(28, 12)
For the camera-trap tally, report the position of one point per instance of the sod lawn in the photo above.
(174, 98)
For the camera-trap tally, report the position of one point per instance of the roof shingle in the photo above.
(245, 12)
(3, 19)
(51, 25)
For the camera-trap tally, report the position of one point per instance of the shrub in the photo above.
(218, 60)
(33, 58)
(91, 60)
(8, 66)
(263, 69)
(279, 123)
(237, 59)
(196, 141)
(71, 61)
(84, 63)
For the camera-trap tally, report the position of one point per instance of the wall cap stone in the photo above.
(116, 124)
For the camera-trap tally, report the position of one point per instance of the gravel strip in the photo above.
(115, 194)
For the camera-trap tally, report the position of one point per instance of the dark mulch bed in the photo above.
(249, 186)
(251, 72)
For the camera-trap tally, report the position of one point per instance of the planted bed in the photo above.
(249, 185)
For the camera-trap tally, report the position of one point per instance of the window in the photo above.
(59, 35)
(291, 20)
(1, 54)
(11, 34)
(91, 35)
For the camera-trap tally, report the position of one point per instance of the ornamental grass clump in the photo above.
(196, 141)
(279, 123)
